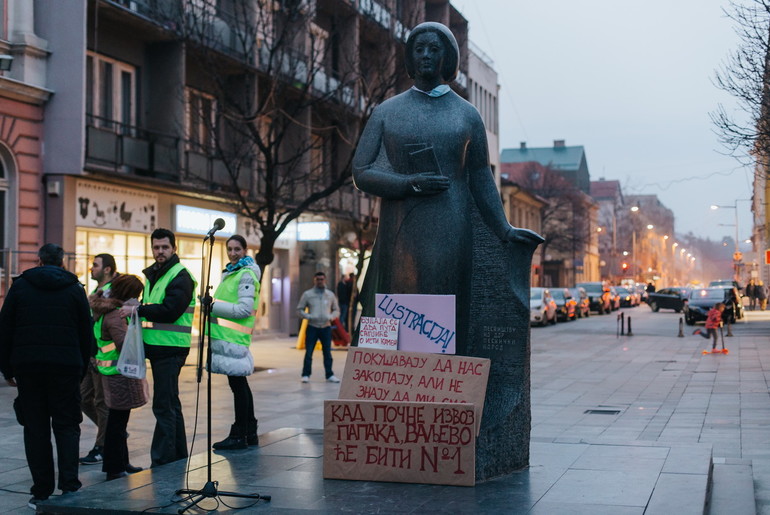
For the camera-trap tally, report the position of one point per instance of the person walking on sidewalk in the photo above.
(121, 394)
(233, 314)
(761, 292)
(103, 271)
(713, 322)
(322, 308)
(167, 312)
(46, 343)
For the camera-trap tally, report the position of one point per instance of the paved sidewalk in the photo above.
(620, 425)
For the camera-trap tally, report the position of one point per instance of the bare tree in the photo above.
(279, 92)
(744, 75)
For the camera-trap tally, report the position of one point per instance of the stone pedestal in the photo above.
(499, 330)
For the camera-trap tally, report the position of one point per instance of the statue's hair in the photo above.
(451, 59)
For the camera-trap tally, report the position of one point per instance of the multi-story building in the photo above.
(646, 234)
(172, 113)
(483, 93)
(23, 95)
(610, 199)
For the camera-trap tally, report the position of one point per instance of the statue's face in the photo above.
(428, 55)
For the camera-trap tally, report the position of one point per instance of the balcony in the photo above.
(125, 149)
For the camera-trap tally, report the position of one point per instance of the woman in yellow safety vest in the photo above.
(233, 314)
(121, 393)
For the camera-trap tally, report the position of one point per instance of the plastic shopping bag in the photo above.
(131, 361)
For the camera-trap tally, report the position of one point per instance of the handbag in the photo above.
(131, 361)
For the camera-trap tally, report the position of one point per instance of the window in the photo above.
(200, 121)
(5, 187)
(110, 93)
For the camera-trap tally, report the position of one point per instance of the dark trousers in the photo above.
(169, 442)
(312, 335)
(49, 400)
(92, 402)
(243, 404)
(344, 316)
(115, 445)
(711, 333)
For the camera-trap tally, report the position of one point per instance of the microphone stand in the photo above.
(209, 490)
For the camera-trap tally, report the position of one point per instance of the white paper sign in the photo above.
(378, 333)
(427, 322)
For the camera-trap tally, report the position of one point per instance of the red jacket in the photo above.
(714, 318)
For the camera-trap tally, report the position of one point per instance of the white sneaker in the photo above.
(305, 379)
(333, 379)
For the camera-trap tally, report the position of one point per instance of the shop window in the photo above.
(110, 93)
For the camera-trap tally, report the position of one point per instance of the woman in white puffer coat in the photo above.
(232, 320)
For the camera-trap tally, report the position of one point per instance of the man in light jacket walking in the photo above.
(322, 308)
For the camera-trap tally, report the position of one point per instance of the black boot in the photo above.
(235, 440)
(251, 435)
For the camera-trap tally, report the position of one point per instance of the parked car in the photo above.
(614, 298)
(565, 304)
(628, 298)
(725, 283)
(598, 296)
(703, 299)
(668, 298)
(582, 304)
(542, 308)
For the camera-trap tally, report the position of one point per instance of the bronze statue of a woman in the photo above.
(425, 153)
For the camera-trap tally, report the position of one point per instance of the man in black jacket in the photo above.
(46, 343)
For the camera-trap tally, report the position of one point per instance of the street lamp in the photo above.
(736, 255)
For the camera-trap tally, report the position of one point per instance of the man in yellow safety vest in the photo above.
(167, 309)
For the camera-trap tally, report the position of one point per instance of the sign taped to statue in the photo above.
(400, 442)
(427, 322)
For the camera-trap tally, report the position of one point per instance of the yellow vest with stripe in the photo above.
(107, 357)
(177, 333)
(237, 330)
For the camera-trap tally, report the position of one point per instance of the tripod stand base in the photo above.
(209, 491)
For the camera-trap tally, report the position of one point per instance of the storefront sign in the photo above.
(378, 333)
(313, 231)
(195, 220)
(400, 442)
(427, 322)
(382, 375)
(105, 206)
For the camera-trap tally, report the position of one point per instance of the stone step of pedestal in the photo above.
(732, 488)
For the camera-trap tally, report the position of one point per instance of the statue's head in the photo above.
(451, 59)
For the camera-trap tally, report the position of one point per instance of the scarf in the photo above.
(244, 261)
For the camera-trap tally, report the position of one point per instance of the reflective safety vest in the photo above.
(107, 357)
(178, 333)
(237, 330)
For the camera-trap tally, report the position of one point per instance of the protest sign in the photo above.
(400, 442)
(378, 333)
(427, 321)
(415, 377)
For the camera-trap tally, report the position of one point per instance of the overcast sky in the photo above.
(630, 81)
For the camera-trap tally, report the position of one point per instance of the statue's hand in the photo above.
(425, 184)
(520, 235)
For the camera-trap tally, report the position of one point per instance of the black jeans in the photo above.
(243, 404)
(169, 442)
(51, 400)
(312, 335)
(115, 445)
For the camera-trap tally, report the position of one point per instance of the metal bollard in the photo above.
(629, 333)
(681, 328)
(620, 325)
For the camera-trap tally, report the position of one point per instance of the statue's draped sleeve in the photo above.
(372, 171)
(482, 182)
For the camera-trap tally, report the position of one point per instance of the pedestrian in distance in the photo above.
(121, 394)
(713, 322)
(344, 292)
(167, 308)
(233, 314)
(751, 293)
(46, 343)
(322, 308)
(103, 271)
(761, 292)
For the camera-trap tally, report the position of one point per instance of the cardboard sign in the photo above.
(427, 321)
(415, 377)
(400, 442)
(378, 333)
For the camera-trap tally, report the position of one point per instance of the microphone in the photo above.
(219, 224)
